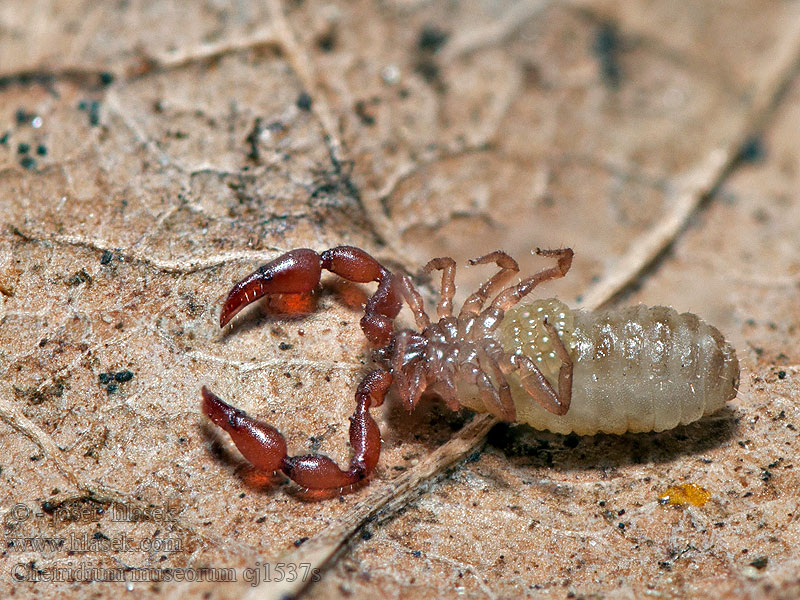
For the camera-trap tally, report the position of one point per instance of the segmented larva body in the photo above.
(635, 369)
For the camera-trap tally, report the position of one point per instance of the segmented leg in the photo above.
(299, 271)
(510, 296)
(534, 382)
(444, 386)
(384, 305)
(508, 409)
(565, 372)
(508, 267)
(537, 385)
(409, 368)
(265, 448)
(414, 301)
(447, 266)
(488, 393)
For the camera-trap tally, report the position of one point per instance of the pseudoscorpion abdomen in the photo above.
(635, 369)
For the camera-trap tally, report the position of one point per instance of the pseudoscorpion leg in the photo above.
(447, 266)
(565, 372)
(509, 410)
(510, 296)
(298, 271)
(265, 448)
(538, 386)
(508, 267)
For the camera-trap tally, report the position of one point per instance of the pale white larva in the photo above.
(635, 369)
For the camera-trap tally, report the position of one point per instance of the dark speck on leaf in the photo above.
(93, 108)
(327, 41)
(752, 150)
(4, 138)
(94, 113)
(106, 78)
(284, 346)
(606, 48)
(80, 277)
(428, 69)
(431, 38)
(416, 553)
(22, 116)
(123, 376)
(304, 101)
(28, 162)
(105, 377)
(41, 150)
(474, 457)
(23, 148)
(112, 387)
(106, 257)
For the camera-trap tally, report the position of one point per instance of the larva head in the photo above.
(523, 332)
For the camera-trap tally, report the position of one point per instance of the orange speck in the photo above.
(686, 493)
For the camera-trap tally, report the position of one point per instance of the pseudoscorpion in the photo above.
(635, 369)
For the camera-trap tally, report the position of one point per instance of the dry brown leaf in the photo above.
(151, 154)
